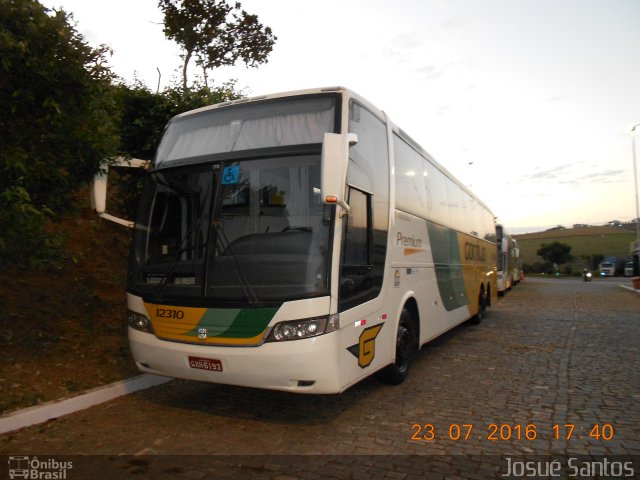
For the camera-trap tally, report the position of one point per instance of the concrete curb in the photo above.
(631, 289)
(42, 413)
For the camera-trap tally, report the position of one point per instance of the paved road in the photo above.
(551, 373)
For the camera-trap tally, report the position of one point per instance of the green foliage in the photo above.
(537, 267)
(555, 252)
(216, 33)
(62, 115)
(591, 261)
(23, 237)
(595, 260)
(56, 123)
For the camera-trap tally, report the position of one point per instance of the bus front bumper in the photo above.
(301, 366)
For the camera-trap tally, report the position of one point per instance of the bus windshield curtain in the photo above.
(221, 131)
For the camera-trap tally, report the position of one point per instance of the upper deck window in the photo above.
(291, 121)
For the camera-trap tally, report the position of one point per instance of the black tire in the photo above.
(482, 309)
(398, 371)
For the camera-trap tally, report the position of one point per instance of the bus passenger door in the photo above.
(356, 272)
(362, 345)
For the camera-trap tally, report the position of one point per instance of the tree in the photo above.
(216, 33)
(555, 252)
(56, 124)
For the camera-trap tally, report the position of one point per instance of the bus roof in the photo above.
(293, 93)
(258, 98)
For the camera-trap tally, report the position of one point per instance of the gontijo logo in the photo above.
(33, 468)
(365, 349)
(474, 252)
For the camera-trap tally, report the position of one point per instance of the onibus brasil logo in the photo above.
(33, 468)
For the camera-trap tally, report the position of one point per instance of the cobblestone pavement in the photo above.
(551, 373)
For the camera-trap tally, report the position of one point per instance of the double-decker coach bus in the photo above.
(300, 242)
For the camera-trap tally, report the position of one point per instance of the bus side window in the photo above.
(356, 278)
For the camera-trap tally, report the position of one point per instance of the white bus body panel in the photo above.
(414, 276)
(275, 366)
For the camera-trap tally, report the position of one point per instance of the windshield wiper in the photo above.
(245, 284)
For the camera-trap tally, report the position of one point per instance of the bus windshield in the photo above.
(251, 231)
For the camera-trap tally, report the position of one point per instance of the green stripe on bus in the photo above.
(449, 273)
(235, 322)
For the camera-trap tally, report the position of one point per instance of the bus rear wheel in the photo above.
(397, 372)
(482, 308)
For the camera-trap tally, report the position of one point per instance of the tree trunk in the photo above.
(187, 57)
(206, 78)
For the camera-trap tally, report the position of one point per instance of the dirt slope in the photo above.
(63, 331)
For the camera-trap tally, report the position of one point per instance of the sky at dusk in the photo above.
(528, 102)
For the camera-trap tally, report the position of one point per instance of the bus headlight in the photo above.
(140, 322)
(299, 329)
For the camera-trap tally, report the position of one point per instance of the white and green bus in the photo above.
(506, 257)
(300, 242)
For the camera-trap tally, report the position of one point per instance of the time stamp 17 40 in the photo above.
(504, 432)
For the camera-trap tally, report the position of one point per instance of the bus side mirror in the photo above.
(333, 171)
(504, 245)
(98, 191)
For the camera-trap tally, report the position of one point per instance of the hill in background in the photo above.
(585, 242)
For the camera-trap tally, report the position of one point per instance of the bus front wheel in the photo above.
(396, 373)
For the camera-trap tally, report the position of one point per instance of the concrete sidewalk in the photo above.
(42, 413)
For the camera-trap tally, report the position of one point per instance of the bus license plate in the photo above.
(205, 364)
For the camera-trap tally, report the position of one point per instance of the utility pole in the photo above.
(636, 249)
